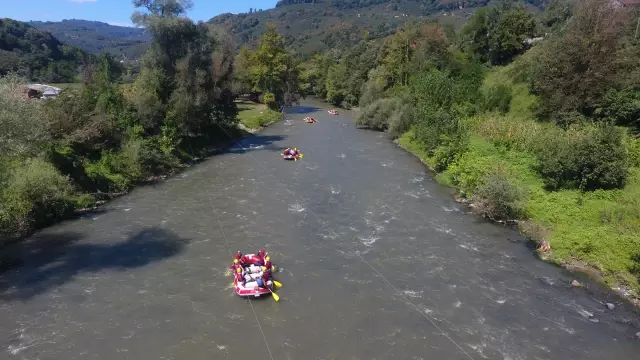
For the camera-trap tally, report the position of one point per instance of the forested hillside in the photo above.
(95, 37)
(311, 25)
(37, 55)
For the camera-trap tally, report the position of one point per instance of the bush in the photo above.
(117, 171)
(499, 199)
(35, 195)
(586, 158)
(372, 90)
(434, 89)
(633, 147)
(23, 128)
(376, 116)
(498, 98)
(400, 121)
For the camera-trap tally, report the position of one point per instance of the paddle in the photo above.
(275, 296)
(277, 284)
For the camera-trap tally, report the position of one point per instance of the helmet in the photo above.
(235, 261)
(264, 268)
(267, 258)
(260, 282)
(261, 253)
(238, 270)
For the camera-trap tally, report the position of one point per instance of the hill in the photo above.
(312, 25)
(36, 54)
(95, 37)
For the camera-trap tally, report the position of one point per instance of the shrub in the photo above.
(23, 128)
(633, 147)
(269, 99)
(499, 199)
(376, 116)
(118, 171)
(586, 158)
(400, 121)
(498, 98)
(434, 89)
(372, 90)
(621, 106)
(35, 195)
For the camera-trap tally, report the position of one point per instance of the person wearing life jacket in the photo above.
(267, 262)
(263, 280)
(235, 265)
(239, 277)
(262, 254)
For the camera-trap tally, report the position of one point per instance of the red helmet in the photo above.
(238, 255)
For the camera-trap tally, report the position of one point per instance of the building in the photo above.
(40, 91)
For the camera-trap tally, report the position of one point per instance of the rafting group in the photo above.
(292, 154)
(253, 275)
(310, 120)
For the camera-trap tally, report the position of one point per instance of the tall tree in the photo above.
(274, 72)
(498, 34)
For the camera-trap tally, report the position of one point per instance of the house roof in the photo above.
(43, 88)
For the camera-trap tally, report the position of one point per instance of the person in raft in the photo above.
(240, 278)
(263, 281)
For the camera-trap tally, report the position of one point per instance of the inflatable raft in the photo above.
(333, 112)
(252, 289)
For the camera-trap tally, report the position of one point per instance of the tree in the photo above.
(273, 70)
(557, 13)
(186, 73)
(498, 34)
(242, 72)
(572, 73)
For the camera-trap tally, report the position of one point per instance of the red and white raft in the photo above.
(252, 289)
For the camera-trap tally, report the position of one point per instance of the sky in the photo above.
(115, 12)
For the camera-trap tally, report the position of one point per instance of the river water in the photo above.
(378, 262)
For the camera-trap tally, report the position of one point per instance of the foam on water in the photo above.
(296, 208)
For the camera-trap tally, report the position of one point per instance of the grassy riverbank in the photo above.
(597, 232)
(255, 116)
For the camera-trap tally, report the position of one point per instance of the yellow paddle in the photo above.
(275, 296)
(277, 284)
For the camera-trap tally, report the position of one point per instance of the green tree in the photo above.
(498, 34)
(572, 73)
(273, 70)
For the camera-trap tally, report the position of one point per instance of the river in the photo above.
(378, 262)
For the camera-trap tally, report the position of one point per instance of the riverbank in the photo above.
(252, 118)
(596, 233)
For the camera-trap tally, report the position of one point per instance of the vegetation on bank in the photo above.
(255, 116)
(100, 138)
(536, 131)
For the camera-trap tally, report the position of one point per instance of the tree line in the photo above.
(99, 139)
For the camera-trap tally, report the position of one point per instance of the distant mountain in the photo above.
(95, 37)
(312, 25)
(37, 54)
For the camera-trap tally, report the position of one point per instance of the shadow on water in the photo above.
(256, 142)
(301, 109)
(51, 260)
